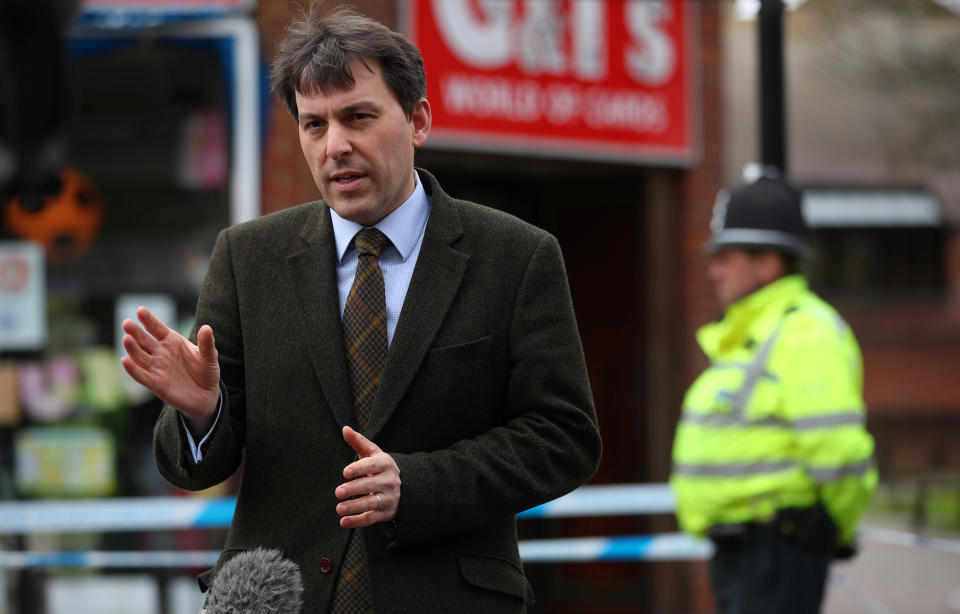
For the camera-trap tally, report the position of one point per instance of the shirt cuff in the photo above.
(195, 448)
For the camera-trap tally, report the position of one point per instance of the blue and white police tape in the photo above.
(173, 513)
(663, 547)
(627, 548)
(667, 547)
(607, 500)
(110, 560)
(120, 514)
(168, 513)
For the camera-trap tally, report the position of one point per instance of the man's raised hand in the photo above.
(184, 375)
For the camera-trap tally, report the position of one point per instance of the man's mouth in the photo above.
(345, 178)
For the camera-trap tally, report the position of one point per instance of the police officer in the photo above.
(771, 459)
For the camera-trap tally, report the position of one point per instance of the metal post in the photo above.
(771, 85)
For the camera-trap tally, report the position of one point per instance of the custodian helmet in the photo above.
(765, 214)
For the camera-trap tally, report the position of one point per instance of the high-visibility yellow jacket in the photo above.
(777, 419)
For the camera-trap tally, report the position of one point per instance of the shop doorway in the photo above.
(597, 213)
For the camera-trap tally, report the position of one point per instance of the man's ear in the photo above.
(421, 121)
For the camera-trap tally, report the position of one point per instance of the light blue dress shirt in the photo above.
(404, 227)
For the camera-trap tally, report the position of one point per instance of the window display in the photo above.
(134, 216)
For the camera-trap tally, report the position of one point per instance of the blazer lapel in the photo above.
(313, 270)
(436, 279)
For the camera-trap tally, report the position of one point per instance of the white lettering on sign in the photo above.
(541, 40)
(650, 58)
(563, 104)
(548, 41)
(482, 44)
(492, 97)
(626, 110)
(588, 28)
(498, 98)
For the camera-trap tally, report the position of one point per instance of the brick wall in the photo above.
(687, 589)
(699, 188)
(286, 178)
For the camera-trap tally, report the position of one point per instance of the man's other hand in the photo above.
(371, 493)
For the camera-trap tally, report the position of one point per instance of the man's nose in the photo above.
(338, 142)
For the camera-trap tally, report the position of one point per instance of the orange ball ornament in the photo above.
(67, 221)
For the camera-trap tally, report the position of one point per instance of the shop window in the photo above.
(144, 194)
(887, 245)
(162, 134)
(148, 124)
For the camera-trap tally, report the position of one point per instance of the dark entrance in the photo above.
(597, 213)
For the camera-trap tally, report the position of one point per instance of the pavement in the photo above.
(896, 579)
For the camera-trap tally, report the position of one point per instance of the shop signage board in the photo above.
(134, 14)
(571, 78)
(176, 5)
(23, 303)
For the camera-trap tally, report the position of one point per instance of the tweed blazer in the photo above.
(484, 404)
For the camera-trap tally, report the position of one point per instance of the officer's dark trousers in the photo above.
(764, 573)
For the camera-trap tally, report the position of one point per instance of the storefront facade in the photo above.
(600, 122)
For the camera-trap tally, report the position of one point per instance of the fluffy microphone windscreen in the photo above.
(258, 581)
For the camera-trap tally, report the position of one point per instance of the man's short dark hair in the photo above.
(319, 45)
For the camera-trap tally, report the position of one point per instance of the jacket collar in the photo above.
(436, 280)
(752, 317)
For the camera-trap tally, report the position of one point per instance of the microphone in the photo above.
(258, 581)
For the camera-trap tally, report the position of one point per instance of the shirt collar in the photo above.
(403, 226)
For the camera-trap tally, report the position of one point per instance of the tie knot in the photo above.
(370, 241)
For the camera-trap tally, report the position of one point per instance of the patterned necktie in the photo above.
(365, 338)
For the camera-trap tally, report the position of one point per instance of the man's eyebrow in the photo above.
(302, 115)
(360, 105)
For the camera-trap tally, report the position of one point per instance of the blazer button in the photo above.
(325, 565)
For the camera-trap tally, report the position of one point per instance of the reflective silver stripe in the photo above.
(729, 364)
(844, 418)
(741, 365)
(847, 418)
(832, 474)
(754, 372)
(727, 420)
(761, 237)
(733, 470)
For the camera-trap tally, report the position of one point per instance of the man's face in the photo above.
(735, 273)
(359, 145)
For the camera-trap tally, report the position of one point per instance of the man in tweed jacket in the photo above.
(483, 409)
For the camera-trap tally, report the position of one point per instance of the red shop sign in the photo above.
(607, 79)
